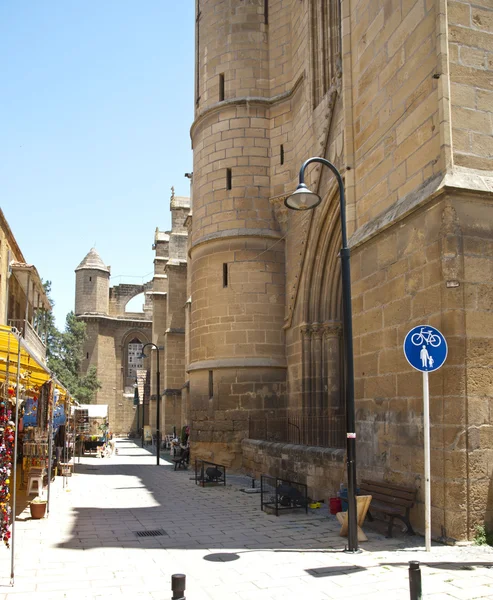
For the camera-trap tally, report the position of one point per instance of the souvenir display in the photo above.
(7, 436)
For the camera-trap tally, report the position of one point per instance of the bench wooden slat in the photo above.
(382, 507)
(392, 486)
(379, 489)
(408, 495)
(387, 499)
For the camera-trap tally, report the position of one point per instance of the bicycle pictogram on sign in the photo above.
(427, 337)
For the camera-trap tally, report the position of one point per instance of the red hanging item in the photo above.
(7, 437)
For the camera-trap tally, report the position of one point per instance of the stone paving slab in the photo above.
(219, 537)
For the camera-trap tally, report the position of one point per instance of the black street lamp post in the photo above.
(136, 404)
(137, 407)
(304, 199)
(158, 399)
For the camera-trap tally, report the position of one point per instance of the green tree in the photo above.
(52, 340)
(64, 352)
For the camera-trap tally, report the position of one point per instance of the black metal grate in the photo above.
(150, 533)
(281, 494)
(326, 429)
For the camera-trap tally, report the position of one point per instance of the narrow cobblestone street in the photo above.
(218, 537)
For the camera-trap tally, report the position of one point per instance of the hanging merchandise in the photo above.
(58, 411)
(30, 412)
(42, 415)
(27, 390)
(7, 434)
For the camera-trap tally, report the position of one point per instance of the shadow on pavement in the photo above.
(191, 516)
(332, 571)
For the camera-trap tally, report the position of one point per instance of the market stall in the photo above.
(32, 406)
(92, 426)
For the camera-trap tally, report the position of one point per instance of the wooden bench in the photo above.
(394, 501)
(182, 460)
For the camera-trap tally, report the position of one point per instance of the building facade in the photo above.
(116, 337)
(23, 300)
(399, 96)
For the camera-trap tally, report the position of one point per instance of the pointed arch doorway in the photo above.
(323, 411)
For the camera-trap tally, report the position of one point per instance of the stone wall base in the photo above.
(222, 453)
(321, 469)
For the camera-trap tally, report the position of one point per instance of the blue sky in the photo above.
(96, 105)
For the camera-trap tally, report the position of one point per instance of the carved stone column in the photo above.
(334, 394)
(306, 363)
(317, 388)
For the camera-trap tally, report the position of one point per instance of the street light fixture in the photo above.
(158, 397)
(305, 199)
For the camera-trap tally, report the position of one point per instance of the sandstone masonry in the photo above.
(399, 96)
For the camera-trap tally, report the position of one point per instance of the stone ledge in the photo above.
(238, 363)
(236, 233)
(246, 101)
(305, 452)
(101, 317)
(460, 179)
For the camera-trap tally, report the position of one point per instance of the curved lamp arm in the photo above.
(342, 198)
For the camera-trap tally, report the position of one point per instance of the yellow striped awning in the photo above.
(33, 373)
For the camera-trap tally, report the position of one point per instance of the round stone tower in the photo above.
(92, 282)
(237, 352)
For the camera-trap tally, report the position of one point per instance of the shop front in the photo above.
(35, 437)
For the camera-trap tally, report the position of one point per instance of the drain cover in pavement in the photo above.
(150, 533)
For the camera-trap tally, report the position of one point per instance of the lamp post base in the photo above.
(356, 551)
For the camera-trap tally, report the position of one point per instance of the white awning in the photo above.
(95, 411)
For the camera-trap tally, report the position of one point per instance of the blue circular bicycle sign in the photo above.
(425, 348)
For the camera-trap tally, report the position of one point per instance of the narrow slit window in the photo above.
(229, 179)
(211, 384)
(90, 278)
(87, 354)
(281, 153)
(225, 274)
(266, 12)
(221, 87)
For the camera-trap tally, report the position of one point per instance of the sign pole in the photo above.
(425, 349)
(426, 434)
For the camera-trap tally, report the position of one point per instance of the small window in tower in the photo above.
(211, 384)
(221, 87)
(225, 274)
(229, 179)
(87, 354)
(90, 278)
(282, 154)
(266, 11)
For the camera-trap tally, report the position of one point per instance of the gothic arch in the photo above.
(141, 297)
(321, 328)
(133, 336)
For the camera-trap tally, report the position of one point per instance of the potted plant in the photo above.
(38, 508)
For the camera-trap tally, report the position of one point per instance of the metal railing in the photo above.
(325, 429)
(33, 340)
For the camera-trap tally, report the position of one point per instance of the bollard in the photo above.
(178, 586)
(415, 580)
